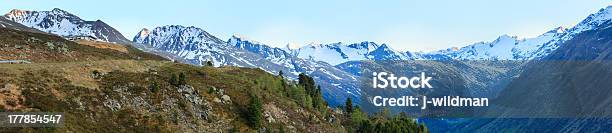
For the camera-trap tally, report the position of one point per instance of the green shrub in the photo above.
(210, 90)
(174, 80)
(155, 87)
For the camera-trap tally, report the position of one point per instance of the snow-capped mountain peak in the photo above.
(276, 55)
(603, 16)
(143, 34)
(504, 47)
(63, 23)
(364, 45)
(176, 36)
(384, 52)
(292, 46)
(594, 20)
(15, 13)
(503, 38)
(559, 29)
(60, 11)
(238, 37)
(510, 48)
(337, 53)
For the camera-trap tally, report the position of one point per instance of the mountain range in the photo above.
(195, 46)
(564, 90)
(329, 62)
(337, 67)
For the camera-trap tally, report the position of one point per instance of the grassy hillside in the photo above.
(103, 87)
(116, 88)
(90, 102)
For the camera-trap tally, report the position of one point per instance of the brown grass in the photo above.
(10, 97)
(103, 45)
(79, 73)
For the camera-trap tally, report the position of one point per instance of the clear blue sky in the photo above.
(403, 24)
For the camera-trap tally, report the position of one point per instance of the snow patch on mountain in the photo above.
(594, 20)
(195, 46)
(337, 53)
(603, 16)
(192, 44)
(65, 24)
(504, 47)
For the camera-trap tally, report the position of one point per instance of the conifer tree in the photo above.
(182, 79)
(349, 105)
(255, 112)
